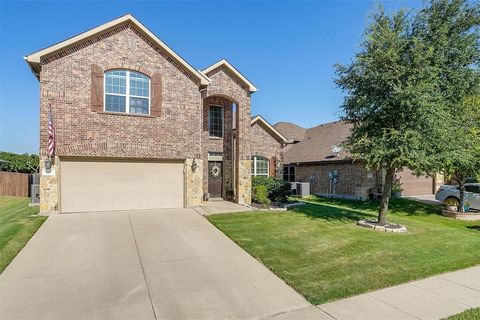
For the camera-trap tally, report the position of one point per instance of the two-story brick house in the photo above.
(137, 127)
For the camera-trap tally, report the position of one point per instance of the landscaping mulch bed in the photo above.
(388, 227)
(277, 206)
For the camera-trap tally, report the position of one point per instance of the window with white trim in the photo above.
(260, 166)
(215, 122)
(127, 92)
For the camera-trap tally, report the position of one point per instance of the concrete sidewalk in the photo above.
(220, 206)
(432, 298)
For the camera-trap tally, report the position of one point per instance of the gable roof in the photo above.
(232, 69)
(274, 132)
(316, 145)
(291, 130)
(34, 59)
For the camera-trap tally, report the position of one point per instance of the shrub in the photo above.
(278, 189)
(260, 195)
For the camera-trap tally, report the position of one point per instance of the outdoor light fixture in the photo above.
(48, 165)
(194, 165)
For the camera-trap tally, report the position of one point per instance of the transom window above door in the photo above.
(215, 122)
(127, 92)
(260, 166)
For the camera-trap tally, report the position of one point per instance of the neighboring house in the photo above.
(137, 127)
(316, 156)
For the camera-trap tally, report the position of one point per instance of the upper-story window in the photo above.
(127, 91)
(215, 122)
(260, 166)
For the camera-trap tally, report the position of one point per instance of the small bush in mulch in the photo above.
(260, 195)
(278, 190)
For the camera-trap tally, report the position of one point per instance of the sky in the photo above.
(287, 49)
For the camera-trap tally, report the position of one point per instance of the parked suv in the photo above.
(450, 195)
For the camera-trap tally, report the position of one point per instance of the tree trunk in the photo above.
(386, 194)
(461, 187)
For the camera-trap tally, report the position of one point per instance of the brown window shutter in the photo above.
(96, 98)
(156, 99)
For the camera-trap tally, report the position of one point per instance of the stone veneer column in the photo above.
(193, 183)
(244, 182)
(243, 157)
(49, 187)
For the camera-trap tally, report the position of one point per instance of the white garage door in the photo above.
(118, 185)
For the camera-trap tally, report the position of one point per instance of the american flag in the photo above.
(51, 134)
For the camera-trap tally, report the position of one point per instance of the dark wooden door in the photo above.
(215, 179)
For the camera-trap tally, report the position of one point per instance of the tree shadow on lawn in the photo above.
(351, 210)
(477, 228)
(331, 213)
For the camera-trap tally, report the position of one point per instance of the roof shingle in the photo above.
(316, 143)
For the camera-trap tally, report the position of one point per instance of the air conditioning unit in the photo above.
(301, 189)
(293, 188)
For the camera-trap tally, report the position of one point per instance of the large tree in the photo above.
(458, 157)
(390, 99)
(450, 29)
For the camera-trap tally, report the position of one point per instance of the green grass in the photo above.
(471, 314)
(18, 223)
(320, 251)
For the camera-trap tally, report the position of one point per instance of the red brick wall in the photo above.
(353, 178)
(225, 84)
(226, 89)
(224, 145)
(65, 82)
(265, 145)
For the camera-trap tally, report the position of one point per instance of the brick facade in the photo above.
(265, 145)
(178, 129)
(223, 145)
(226, 85)
(354, 180)
(66, 86)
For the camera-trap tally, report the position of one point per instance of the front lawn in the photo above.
(319, 251)
(17, 226)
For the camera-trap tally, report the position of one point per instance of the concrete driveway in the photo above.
(160, 264)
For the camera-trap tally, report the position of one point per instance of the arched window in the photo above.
(260, 166)
(127, 91)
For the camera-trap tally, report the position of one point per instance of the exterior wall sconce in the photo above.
(48, 165)
(194, 165)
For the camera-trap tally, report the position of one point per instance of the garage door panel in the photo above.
(413, 185)
(104, 186)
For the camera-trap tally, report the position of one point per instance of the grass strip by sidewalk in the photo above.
(18, 223)
(470, 314)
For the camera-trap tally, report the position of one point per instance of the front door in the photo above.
(215, 180)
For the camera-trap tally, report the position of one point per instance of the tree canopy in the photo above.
(451, 31)
(409, 86)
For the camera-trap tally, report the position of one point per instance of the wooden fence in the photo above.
(14, 184)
